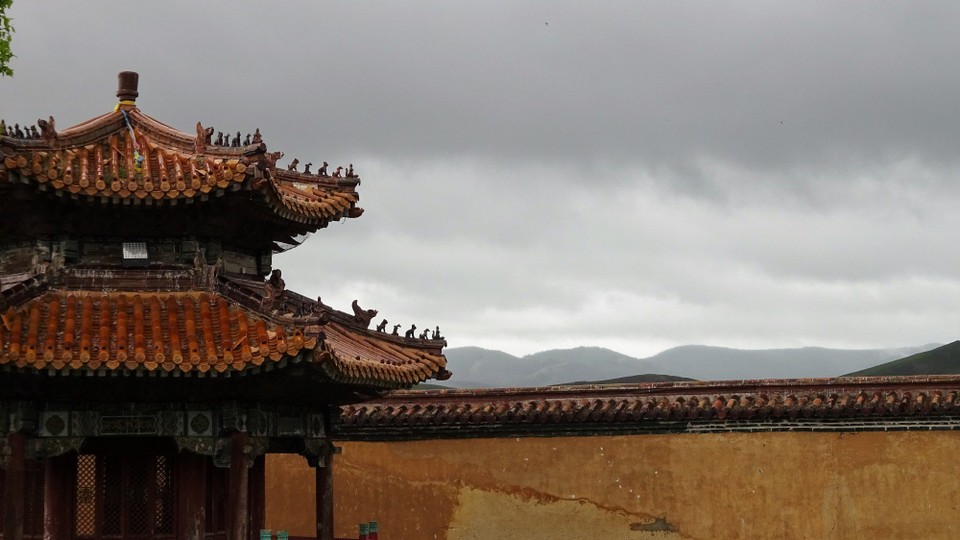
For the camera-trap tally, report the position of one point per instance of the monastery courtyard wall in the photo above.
(895, 484)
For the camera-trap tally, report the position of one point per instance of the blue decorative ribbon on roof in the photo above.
(137, 158)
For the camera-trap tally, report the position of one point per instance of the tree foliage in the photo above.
(6, 32)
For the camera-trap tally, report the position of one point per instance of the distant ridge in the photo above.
(943, 360)
(474, 367)
(646, 378)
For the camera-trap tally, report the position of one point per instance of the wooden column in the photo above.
(57, 472)
(325, 494)
(257, 497)
(15, 487)
(237, 509)
(191, 492)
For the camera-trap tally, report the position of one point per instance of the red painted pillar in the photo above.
(191, 487)
(15, 487)
(237, 509)
(257, 497)
(325, 495)
(57, 472)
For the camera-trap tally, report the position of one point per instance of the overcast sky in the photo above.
(540, 175)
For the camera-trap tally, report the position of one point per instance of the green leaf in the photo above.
(6, 34)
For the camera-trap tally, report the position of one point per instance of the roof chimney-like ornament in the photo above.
(128, 87)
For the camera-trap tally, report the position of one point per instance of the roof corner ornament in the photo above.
(204, 136)
(257, 138)
(293, 165)
(411, 332)
(265, 162)
(48, 130)
(364, 316)
(271, 159)
(382, 327)
(272, 290)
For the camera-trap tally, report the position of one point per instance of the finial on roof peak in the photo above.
(127, 89)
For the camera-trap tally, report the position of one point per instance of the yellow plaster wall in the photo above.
(726, 485)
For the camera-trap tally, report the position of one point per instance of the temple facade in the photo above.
(150, 354)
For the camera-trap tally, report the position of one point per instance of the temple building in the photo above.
(150, 354)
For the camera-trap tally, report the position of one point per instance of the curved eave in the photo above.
(310, 201)
(365, 358)
(96, 160)
(351, 353)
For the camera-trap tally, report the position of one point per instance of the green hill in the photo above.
(940, 361)
(646, 378)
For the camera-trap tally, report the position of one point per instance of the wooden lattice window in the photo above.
(85, 496)
(165, 496)
(125, 496)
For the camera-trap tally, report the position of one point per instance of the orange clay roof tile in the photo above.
(98, 159)
(863, 402)
(170, 331)
(366, 356)
(198, 332)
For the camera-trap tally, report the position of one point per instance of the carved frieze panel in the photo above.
(22, 417)
(54, 424)
(132, 424)
(196, 421)
(200, 424)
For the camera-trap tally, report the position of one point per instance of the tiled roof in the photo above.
(195, 332)
(364, 357)
(352, 353)
(200, 332)
(845, 403)
(303, 198)
(98, 160)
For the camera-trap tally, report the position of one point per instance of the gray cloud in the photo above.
(634, 175)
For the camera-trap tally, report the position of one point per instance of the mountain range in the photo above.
(474, 367)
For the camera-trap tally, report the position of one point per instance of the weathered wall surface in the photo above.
(725, 485)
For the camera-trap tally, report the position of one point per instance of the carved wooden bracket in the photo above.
(47, 447)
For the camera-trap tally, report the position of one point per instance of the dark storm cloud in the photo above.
(767, 85)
